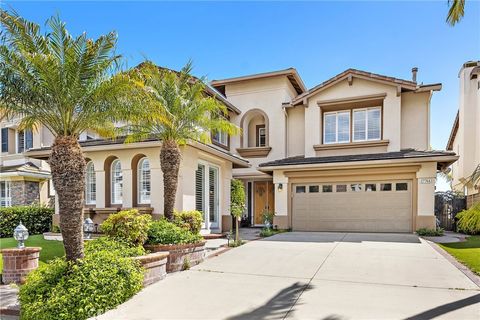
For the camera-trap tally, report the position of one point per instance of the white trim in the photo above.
(207, 224)
(366, 124)
(336, 113)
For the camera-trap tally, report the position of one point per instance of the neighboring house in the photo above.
(23, 180)
(351, 154)
(465, 135)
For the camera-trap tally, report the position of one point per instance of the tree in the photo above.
(473, 180)
(68, 85)
(456, 11)
(237, 204)
(178, 111)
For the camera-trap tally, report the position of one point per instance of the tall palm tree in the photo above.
(179, 112)
(456, 11)
(66, 84)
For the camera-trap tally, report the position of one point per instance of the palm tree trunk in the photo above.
(170, 157)
(67, 165)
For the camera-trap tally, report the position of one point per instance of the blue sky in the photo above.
(319, 39)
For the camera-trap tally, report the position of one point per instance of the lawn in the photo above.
(467, 252)
(50, 248)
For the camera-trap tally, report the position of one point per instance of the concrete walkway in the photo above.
(314, 276)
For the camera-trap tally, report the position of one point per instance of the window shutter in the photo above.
(212, 186)
(4, 140)
(21, 141)
(199, 179)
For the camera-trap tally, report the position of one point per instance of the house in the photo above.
(465, 135)
(350, 154)
(23, 180)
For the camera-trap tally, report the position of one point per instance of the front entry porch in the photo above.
(260, 197)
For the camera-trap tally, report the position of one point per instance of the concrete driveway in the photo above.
(314, 276)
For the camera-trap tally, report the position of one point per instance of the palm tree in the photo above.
(66, 84)
(473, 180)
(456, 11)
(179, 111)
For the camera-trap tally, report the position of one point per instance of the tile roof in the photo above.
(403, 154)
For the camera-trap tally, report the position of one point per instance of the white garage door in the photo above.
(383, 206)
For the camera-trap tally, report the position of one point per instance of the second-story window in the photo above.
(261, 136)
(90, 184)
(221, 137)
(366, 124)
(4, 140)
(25, 140)
(336, 127)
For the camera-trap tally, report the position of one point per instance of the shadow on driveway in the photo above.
(278, 306)
(446, 308)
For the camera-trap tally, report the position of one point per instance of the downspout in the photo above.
(286, 130)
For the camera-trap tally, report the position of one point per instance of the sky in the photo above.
(319, 39)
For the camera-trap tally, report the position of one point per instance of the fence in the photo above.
(447, 205)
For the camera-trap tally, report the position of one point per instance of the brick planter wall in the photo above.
(155, 265)
(182, 256)
(18, 263)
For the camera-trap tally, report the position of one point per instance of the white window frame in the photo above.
(90, 180)
(366, 124)
(262, 132)
(221, 137)
(113, 181)
(207, 224)
(6, 201)
(349, 111)
(140, 180)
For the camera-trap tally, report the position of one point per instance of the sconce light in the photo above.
(280, 187)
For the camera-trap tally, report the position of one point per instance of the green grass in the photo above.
(467, 252)
(50, 248)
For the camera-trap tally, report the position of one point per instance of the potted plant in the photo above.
(181, 238)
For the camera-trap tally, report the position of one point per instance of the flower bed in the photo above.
(181, 256)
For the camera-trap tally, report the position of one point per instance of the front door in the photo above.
(263, 199)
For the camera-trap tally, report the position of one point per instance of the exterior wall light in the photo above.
(280, 187)
(20, 234)
(88, 228)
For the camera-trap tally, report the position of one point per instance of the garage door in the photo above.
(379, 206)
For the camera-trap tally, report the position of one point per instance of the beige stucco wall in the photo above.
(296, 131)
(268, 95)
(415, 117)
(360, 87)
(185, 198)
(467, 140)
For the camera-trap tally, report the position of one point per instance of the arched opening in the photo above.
(141, 181)
(90, 184)
(255, 128)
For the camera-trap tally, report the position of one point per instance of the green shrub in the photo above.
(37, 219)
(267, 216)
(426, 232)
(127, 226)
(165, 232)
(123, 249)
(469, 220)
(189, 220)
(97, 283)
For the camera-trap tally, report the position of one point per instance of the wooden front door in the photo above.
(264, 199)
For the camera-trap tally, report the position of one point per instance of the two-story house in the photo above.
(23, 180)
(465, 135)
(351, 154)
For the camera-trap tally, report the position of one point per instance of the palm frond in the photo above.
(456, 11)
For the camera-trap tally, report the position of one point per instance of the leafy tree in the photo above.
(237, 204)
(456, 11)
(67, 84)
(178, 111)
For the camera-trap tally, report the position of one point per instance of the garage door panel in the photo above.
(363, 211)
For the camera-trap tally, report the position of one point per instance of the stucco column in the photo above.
(281, 200)
(426, 177)
(127, 199)
(100, 187)
(156, 191)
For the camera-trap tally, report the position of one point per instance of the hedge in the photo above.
(469, 220)
(37, 219)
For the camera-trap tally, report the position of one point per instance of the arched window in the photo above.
(116, 182)
(143, 181)
(90, 184)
